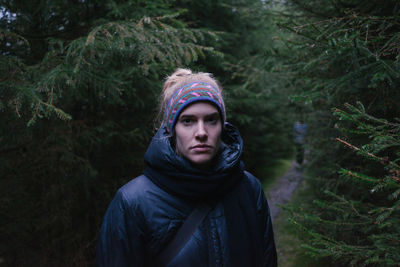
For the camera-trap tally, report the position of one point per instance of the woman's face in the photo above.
(198, 133)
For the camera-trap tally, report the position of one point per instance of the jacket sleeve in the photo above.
(269, 249)
(270, 256)
(120, 241)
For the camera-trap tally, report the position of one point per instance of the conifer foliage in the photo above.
(347, 52)
(79, 82)
(78, 89)
(361, 227)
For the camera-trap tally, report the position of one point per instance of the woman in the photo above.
(193, 167)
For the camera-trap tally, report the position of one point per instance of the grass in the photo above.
(274, 171)
(288, 237)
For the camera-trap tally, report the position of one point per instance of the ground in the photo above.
(282, 191)
(287, 241)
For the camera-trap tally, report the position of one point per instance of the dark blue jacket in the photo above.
(145, 214)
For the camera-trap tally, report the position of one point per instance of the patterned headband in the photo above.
(189, 93)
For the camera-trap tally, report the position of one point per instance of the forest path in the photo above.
(284, 188)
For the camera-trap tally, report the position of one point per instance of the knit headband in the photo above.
(189, 93)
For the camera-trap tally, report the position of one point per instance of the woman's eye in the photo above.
(186, 121)
(212, 120)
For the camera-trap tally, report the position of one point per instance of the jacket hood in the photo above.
(161, 154)
(177, 175)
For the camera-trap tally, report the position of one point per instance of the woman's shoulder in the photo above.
(137, 184)
(142, 193)
(253, 181)
(136, 190)
(256, 188)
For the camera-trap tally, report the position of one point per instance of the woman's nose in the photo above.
(201, 131)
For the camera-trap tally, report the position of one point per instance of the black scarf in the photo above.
(224, 182)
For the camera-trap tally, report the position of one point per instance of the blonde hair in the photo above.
(178, 79)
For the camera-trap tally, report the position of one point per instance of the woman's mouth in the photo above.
(201, 148)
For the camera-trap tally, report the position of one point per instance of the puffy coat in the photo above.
(146, 213)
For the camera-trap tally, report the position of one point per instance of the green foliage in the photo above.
(78, 88)
(340, 53)
(349, 55)
(106, 60)
(363, 228)
(346, 52)
(289, 240)
(262, 95)
(76, 119)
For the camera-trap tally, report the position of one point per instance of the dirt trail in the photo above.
(283, 190)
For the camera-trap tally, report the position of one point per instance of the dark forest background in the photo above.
(79, 88)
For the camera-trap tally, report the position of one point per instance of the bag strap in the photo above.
(182, 236)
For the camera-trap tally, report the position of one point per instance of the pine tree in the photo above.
(77, 95)
(79, 83)
(360, 227)
(347, 53)
(256, 93)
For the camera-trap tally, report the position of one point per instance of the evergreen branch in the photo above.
(359, 176)
(345, 201)
(380, 159)
(358, 149)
